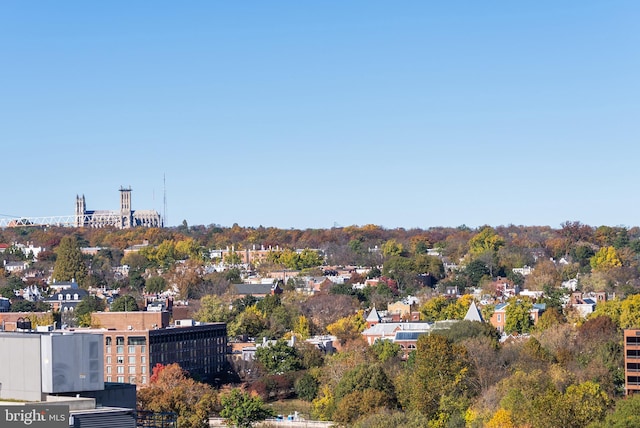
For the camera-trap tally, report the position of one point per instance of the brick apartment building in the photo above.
(134, 342)
(631, 361)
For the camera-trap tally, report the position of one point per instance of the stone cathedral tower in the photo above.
(81, 209)
(126, 215)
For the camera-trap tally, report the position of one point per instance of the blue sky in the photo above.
(310, 114)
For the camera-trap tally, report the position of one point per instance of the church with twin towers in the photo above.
(126, 218)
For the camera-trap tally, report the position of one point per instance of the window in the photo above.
(119, 340)
(120, 379)
(107, 340)
(120, 369)
(499, 317)
(108, 349)
(132, 369)
(108, 378)
(132, 349)
(132, 359)
(68, 296)
(143, 369)
(108, 369)
(143, 359)
(109, 359)
(144, 379)
(75, 296)
(132, 379)
(120, 349)
(60, 297)
(120, 360)
(136, 340)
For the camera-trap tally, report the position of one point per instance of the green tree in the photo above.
(518, 316)
(279, 358)
(306, 387)
(89, 304)
(69, 261)
(241, 409)
(155, 284)
(385, 350)
(363, 377)
(126, 303)
(625, 415)
(440, 369)
(213, 309)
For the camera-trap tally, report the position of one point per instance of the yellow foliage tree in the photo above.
(486, 240)
(606, 258)
(302, 328)
(501, 419)
(348, 328)
(323, 407)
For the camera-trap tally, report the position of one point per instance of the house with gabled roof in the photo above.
(473, 313)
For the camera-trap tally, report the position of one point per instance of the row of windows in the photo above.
(131, 340)
(130, 350)
(130, 369)
(132, 379)
(131, 359)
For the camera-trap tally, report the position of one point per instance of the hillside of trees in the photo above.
(567, 371)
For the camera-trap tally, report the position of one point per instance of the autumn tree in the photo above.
(440, 369)
(69, 261)
(606, 258)
(348, 328)
(171, 390)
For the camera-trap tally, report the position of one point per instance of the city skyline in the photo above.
(313, 115)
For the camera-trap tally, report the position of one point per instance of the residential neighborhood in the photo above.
(278, 320)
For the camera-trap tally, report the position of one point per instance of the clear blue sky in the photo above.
(307, 114)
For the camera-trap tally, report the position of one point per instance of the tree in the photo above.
(279, 358)
(241, 409)
(69, 261)
(440, 369)
(302, 328)
(518, 317)
(213, 309)
(385, 350)
(250, 322)
(486, 240)
(348, 328)
(306, 387)
(606, 258)
(125, 303)
(630, 312)
(155, 284)
(89, 304)
(171, 390)
(626, 414)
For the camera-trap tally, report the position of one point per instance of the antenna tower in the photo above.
(164, 200)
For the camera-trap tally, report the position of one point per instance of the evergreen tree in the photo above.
(69, 262)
